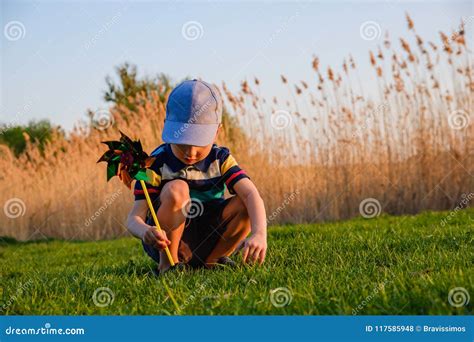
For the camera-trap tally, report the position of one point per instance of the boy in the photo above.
(200, 227)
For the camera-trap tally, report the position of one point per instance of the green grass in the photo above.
(327, 268)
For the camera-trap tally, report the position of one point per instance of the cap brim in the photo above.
(189, 134)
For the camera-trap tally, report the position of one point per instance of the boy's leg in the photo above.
(238, 227)
(173, 197)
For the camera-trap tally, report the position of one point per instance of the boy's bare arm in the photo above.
(255, 247)
(137, 227)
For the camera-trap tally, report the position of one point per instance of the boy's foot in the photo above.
(226, 261)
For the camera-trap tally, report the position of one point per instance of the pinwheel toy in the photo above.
(127, 160)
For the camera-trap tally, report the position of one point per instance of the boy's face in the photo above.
(190, 154)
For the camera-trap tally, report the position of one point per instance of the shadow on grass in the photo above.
(10, 241)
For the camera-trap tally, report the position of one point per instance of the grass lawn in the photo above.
(386, 265)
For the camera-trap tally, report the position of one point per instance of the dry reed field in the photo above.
(317, 157)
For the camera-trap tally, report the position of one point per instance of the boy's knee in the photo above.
(175, 192)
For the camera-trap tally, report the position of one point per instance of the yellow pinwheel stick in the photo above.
(155, 219)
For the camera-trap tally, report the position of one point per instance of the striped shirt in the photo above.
(207, 179)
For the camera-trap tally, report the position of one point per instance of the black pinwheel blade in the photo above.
(127, 156)
(114, 145)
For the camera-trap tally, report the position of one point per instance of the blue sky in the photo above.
(57, 68)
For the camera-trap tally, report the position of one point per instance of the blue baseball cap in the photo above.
(193, 114)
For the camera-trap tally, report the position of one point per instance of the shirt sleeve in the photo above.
(153, 191)
(230, 170)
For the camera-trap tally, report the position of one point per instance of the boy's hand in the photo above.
(254, 249)
(156, 238)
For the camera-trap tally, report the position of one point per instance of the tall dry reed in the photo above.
(315, 157)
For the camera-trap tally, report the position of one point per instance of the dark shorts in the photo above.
(200, 236)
